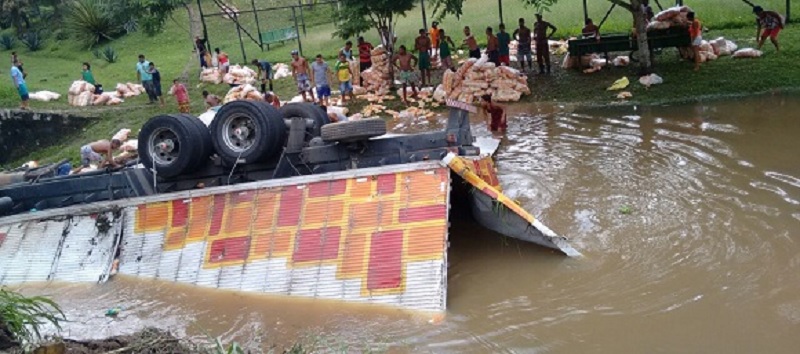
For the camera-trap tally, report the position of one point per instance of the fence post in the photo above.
(203, 21)
(424, 17)
(302, 18)
(239, 32)
(258, 26)
(297, 31)
(585, 11)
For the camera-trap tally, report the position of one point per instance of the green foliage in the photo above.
(97, 54)
(358, 16)
(109, 54)
(61, 35)
(90, 23)
(233, 348)
(7, 41)
(149, 15)
(24, 316)
(33, 41)
(540, 5)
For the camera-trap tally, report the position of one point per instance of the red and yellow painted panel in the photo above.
(370, 228)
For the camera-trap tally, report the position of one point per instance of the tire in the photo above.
(354, 130)
(204, 135)
(319, 154)
(172, 139)
(6, 205)
(261, 132)
(307, 110)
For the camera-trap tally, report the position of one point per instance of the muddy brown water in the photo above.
(707, 260)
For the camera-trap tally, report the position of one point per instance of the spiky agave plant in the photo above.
(90, 23)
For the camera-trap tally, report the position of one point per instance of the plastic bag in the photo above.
(747, 53)
(619, 84)
(650, 80)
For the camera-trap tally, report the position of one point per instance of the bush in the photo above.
(97, 54)
(24, 316)
(109, 54)
(7, 41)
(61, 35)
(90, 23)
(33, 41)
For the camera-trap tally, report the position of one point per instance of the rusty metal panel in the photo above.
(378, 236)
(65, 249)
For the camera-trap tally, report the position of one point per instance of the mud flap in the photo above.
(497, 212)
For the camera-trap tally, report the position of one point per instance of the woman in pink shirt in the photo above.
(181, 95)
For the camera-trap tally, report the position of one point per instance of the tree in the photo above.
(639, 21)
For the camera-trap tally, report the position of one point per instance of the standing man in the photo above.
(264, 73)
(471, 43)
(347, 50)
(541, 38)
(345, 77)
(145, 78)
(445, 46)
(772, 23)
(200, 45)
(492, 47)
(434, 38)
(524, 48)
(405, 62)
(503, 41)
(300, 69)
(156, 82)
(322, 74)
(423, 46)
(364, 56)
(19, 82)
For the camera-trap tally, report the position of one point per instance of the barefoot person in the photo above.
(101, 152)
(492, 47)
(471, 43)
(423, 46)
(181, 96)
(772, 23)
(445, 50)
(495, 115)
(503, 41)
(19, 83)
(696, 32)
(541, 39)
(405, 62)
(300, 71)
(523, 34)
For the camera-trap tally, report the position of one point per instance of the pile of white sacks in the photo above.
(478, 77)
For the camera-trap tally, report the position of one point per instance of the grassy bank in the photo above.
(58, 64)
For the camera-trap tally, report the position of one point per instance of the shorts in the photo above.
(447, 62)
(88, 156)
(157, 89)
(23, 92)
(424, 61)
(264, 77)
(184, 107)
(408, 77)
(475, 53)
(364, 66)
(697, 41)
(303, 85)
(494, 57)
(524, 51)
(505, 59)
(323, 91)
(346, 87)
(225, 67)
(771, 33)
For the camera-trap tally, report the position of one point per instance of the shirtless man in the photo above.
(541, 39)
(300, 70)
(524, 47)
(492, 47)
(471, 43)
(405, 62)
(101, 151)
(423, 46)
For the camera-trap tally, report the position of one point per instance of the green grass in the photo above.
(58, 64)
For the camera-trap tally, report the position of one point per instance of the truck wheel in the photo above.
(354, 130)
(306, 110)
(247, 132)
(205, 143)
(169, 143)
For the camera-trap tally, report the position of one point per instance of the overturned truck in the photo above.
(266, 200)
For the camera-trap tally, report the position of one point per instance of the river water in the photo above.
(688, 217)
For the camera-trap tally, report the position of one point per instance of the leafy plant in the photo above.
(23, 316)
(34, 41)
(109, 54)
(233, 348)
(61, 35)
(90, 22)
(7, 41)
(97, 54)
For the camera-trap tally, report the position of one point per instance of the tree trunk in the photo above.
(195, 28)
(640, 23)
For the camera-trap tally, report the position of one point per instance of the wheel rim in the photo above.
(165, 146)
(239, 132)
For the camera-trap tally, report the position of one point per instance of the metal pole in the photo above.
(424, 16)
(500, 6)
(788, 10)
(302, 18)
(239, 32)
(203, 21)
(585, 11)
(258, 26)
(297, 31)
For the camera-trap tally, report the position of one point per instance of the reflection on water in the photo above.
(706, 261)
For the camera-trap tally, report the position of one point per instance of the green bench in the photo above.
(674, 37)
(279, 35)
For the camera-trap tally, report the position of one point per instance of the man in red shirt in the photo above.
(364, 55)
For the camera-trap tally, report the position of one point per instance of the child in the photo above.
(87, 73)
(273, 99)
(181, 96)
(495, 115)
(156, 83)
(696, 32)
(344, 74)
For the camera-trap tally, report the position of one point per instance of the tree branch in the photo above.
(622, 3)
